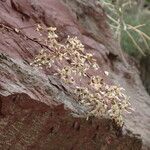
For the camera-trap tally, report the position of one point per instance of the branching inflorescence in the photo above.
(101, 99)
(116, 12)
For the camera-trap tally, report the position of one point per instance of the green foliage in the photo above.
(131, 25)
(129, 47)
(148, 1)
(126, 42)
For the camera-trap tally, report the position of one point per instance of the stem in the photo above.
(119, 9)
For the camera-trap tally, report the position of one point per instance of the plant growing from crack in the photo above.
(101, 99)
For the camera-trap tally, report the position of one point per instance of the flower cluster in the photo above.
(104, 100)
(101, 99)
(72, 51)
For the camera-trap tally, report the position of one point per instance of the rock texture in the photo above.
(31, 112)
(145, 72)
(29, 124)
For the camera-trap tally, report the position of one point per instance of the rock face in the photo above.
(31, 112)
(29, 124)
(145, 72)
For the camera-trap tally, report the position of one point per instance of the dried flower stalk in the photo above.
(101, 99)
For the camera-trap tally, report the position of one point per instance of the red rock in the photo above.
(31, 114)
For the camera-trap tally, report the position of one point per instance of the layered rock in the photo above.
(32, 114)
(29, 124)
